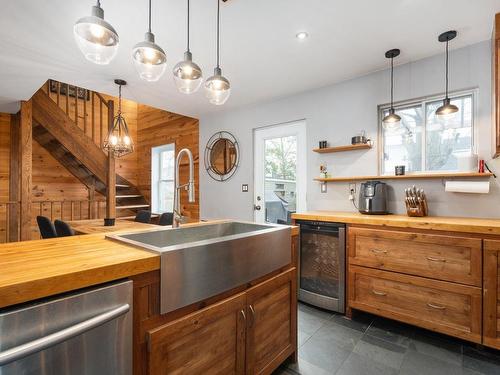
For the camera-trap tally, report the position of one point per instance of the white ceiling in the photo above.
(260, 54)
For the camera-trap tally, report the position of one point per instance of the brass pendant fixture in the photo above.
(447, 108)
(118, 140)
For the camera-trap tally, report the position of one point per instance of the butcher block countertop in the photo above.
(450, 224)
(34, 269)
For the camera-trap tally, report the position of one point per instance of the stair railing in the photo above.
(89, 110)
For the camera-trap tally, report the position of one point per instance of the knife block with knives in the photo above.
(416, 202)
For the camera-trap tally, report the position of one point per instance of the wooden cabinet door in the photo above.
(209, 341)
(491, 294)
(272, 323)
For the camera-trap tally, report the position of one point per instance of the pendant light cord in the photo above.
(218, 41)
(149, 19)
(119, 99)
(392, 82)
(188, 26)
(446, 75)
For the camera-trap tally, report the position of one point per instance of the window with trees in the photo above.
(424, 142)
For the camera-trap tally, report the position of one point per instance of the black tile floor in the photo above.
(367, 345)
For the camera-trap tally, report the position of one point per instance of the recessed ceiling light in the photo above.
(301, 35)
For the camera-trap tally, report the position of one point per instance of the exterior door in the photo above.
(280, 172)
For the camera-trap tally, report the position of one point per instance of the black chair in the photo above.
(63, 229)
(143, 216)
(46, 227)
(166, 218)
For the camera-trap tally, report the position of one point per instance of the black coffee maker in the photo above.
(373, 198)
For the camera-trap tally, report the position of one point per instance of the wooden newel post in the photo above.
(111, 173)
(25, 167)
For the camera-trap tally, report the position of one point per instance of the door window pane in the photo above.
(280, 183)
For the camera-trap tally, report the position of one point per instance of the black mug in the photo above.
(399, 170)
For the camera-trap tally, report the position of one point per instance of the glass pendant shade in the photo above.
(187, 75)
(392, 120)
(217, 88)
(149, 58)
(96, 38)
(447, 109)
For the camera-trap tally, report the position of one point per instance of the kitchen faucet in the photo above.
(177, 217)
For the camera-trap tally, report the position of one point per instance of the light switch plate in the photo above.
(244, 188)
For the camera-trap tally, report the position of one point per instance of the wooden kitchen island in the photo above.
(250, 329)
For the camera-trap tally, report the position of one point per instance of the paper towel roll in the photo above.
(479, 187)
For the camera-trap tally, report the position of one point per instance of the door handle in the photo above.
(37, 345)
(256, 207)
(252, 311)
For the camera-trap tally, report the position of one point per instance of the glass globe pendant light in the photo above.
(187, 74)
(95, 37)
(392, 120)
(217, 87)
(447, 108)
(149, 58)
(118, 140)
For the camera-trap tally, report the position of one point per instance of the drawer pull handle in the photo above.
(436, 259)
(378, 251)
(437, 307)
(376, 292)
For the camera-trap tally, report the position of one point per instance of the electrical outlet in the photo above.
(244, 188)
(352, 188)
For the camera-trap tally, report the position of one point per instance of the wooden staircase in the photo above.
(78, 148)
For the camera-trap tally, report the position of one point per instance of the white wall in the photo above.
(337, 112)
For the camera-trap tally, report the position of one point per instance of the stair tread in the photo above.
(132, 206)
(122, 185)
(129, 196)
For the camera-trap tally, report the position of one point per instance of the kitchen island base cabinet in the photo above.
(491, 294)
(208, 341)
(272, 320)
(250, 333)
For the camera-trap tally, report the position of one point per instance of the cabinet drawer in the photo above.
(449, 258)
(440, 306)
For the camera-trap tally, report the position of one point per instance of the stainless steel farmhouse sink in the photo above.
(201, 261)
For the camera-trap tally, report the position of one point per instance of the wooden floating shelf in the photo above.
(327, 150)
(420, 176)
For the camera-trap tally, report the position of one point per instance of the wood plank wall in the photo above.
(149, 127)
(157, 128)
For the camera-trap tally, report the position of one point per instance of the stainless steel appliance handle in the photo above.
(21, 351)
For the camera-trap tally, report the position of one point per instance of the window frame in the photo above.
(156, 175)
(423, 101)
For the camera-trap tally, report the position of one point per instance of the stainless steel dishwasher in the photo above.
(88, 332)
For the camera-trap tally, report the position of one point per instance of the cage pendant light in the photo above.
(187, 74)
(149, 58)
(217, 87)
(447, 108)
(96, 38)
(392, 120)
(118, 140)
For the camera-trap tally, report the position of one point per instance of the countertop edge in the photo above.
(440, 223)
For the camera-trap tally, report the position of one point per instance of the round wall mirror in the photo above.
(221, 156)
